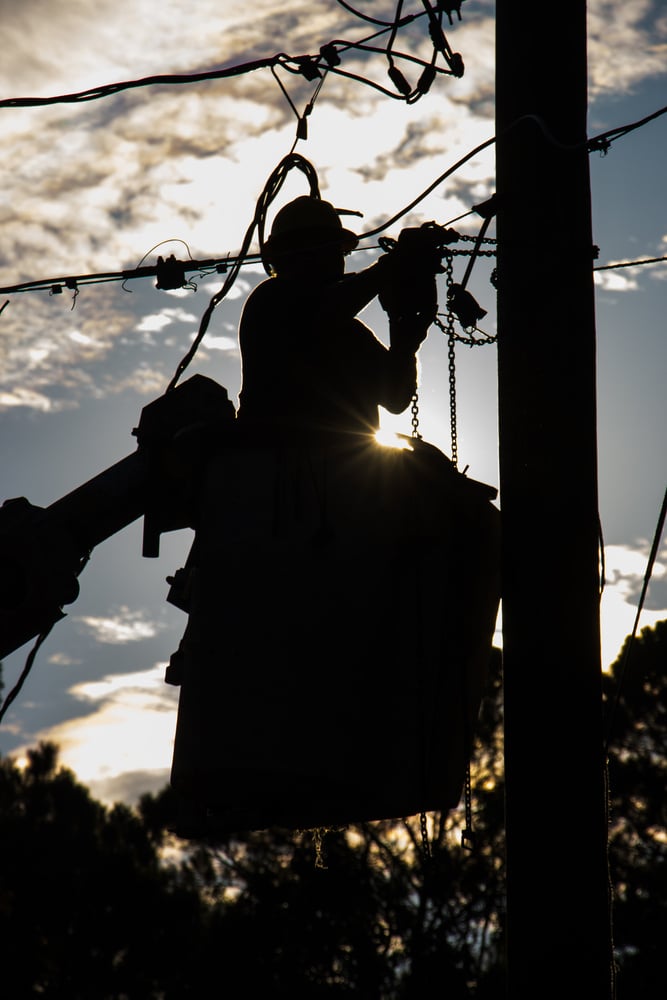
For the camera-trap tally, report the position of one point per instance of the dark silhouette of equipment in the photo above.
(341, 603)
(43, 549)
(341, 610)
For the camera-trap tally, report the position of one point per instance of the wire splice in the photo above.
(399, 81)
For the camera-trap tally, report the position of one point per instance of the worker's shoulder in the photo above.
(269, 294)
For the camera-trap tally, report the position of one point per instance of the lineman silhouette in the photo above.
(299, 663)
(309, 365)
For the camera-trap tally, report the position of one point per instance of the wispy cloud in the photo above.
(122, 627)
(616, 281)
(123, 746)
(93, 187)
(625, 569)
(627, 43)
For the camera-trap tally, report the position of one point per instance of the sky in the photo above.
(106, 185)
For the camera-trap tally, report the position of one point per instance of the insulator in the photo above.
(170, 273)
(399, 81)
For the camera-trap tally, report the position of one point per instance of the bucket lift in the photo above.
(341, 598)
(341, 604)
(341, 612)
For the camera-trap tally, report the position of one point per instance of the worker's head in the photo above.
(308, 238)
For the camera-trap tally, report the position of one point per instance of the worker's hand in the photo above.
(417, 251)
(408, 289)
(410, 298)
(408, 331)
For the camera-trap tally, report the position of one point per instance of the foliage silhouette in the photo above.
(105, 903)
(636, 690)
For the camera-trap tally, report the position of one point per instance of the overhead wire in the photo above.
(630, 263)
(603, 140)
(269, 192)
(301, 64)
(27, 667)
(629, 643)
(140, 272)
(293, 65)
(363, 16)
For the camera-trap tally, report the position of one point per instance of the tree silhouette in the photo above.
(373, 910)
(105, 903)
(636, 700)
(86, 908)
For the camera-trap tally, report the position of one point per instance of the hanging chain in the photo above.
(467, 835)
(452, 399)
(414, 410)
(426, 847)
(451, 359)
(468, 337)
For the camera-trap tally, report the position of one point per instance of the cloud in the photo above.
(123, 627)
(615, 281)
(123, 745)
(22, 396)
(93, 187)
(129, 786)
(627, 43)
(625, 569)
(155, 322)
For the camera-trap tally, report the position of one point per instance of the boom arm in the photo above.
(43, 550)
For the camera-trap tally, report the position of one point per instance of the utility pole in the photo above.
(558, 910)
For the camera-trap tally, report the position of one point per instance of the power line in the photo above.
(602, 141)
(630, 263)
(218, 263)
(56, 285)
(629, 642)
(309, 66)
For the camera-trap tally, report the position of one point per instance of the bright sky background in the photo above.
(95, 187)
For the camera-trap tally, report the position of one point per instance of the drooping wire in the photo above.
(366, 17)
(630, 263)
(301, 63)
(248, 258)
(271, 189)
(603, 141)
(302, 120)
(443, 176)
(631, 639)
(108, 90)
(394, 72)
(172, 239)
(13, 694)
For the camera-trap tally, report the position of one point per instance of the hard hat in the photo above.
(309, 220)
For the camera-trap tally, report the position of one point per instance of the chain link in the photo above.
(467, 835)
(414, 410)
(426, 847)
(448, 328)
(451, 356)
(468, 341)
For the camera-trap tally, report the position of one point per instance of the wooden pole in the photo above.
(558, 911)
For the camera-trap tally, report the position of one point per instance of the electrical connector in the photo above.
(399, 81)
(170, 273)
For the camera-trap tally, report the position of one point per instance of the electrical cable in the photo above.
(280, 59)
(365, 17)
(26, 670)
(108, 90)
(271, 189)
(447, 173)
(604, 139)
(630, 640)
(630, 263)
(44, 283)
(55, 285)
